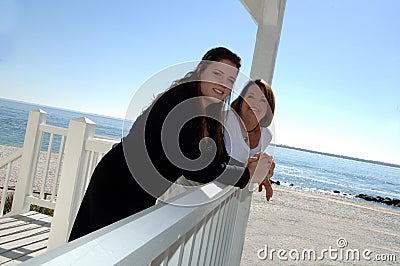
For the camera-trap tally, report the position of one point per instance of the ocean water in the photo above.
(14, 117)
(305, 170)
(323, 174)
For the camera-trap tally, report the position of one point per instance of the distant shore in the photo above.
(339, 156)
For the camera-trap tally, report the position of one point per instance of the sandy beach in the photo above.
(6, 151)
(297, 221)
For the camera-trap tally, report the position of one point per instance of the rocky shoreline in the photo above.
(388, 201)
(385, 200)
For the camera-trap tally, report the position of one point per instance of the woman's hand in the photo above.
(271, 169)
(266, 183)
(260, 167)
(268, 189)
(257, 166)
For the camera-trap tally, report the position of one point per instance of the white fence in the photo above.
(210, 234)
(78, 152)
(31, 155)
(7, 163)
(167, 234)
(35, 163)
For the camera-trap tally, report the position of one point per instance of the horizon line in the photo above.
(397, 165)
(338, 155)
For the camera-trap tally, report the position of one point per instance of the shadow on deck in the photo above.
(23, 237)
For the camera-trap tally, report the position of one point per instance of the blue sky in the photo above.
(335, 75)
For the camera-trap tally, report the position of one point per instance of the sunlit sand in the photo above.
(297, 221)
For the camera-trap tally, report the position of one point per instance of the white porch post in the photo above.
(268, 15)
(242, 216)
(30, 153)
(67, 205)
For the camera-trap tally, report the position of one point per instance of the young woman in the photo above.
(246, 131)
(178, 135)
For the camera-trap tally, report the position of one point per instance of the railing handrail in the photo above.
(9, 159)
(144, 236)
(53, 129)
(100, 145)
(105, 137)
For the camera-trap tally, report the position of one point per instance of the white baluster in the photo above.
(29, 159)
(71, 180)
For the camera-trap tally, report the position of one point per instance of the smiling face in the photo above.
(255, 105)
(217, 79)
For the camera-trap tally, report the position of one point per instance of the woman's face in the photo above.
(217, 79)
(254, 105)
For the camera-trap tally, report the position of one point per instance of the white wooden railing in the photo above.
(83, 151)
(8, 164)
(181, 233)
(78, 152)
(33, 161)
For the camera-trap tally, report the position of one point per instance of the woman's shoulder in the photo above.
(177, 92)
(232, 117)
(266, 136)
(171, 97)
(266, 132)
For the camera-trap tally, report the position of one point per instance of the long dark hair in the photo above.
(215, 55)
(269, 95)
(192, 79)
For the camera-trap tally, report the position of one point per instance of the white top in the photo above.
(233, 134)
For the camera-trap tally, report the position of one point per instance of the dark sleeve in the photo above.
(229, 172)
(234, 175)
(172, 142)
(235, 167)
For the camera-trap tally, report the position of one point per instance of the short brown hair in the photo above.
(269, 95)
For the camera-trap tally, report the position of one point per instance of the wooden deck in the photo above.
(23, 237)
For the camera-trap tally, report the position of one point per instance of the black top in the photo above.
(165, 142)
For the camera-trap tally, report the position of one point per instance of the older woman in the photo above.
(246, 132)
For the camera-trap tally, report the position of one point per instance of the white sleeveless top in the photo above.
(235, 145)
